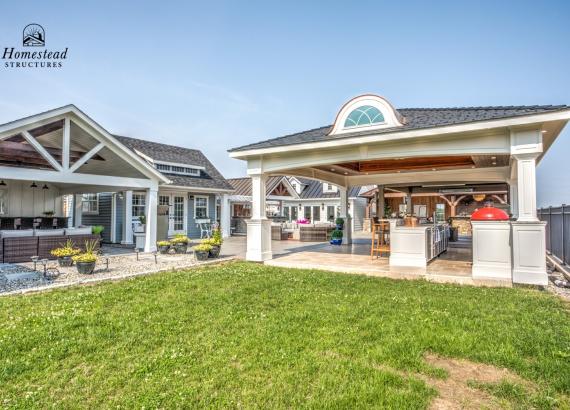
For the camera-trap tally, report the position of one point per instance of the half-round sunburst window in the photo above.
(363, 116)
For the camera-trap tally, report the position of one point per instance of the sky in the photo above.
(216, 75)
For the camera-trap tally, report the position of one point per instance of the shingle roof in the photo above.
(416, 118)
(313, 189)
(210, 177)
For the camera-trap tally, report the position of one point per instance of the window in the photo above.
(201, 207)
(307, 214)
(363, 116)
(241, 210)
(286, 212)
(316, 213)
(328, 188)
(139, 201)
(90, 204)
(177, 169)
(3, 202)
(440, 212)
(294, 213)
(330, 213)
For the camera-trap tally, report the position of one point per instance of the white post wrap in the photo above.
(344, 214)
(258, 227)
(151, 219)
(491, 250)
(225, 216)
(77, 210)
(127, 218)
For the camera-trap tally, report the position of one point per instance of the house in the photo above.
(192, 196)
(48, 157)
(371, 142)
(291, 198)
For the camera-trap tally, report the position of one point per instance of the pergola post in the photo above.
(344, 214)
(77, 210)
(151, 219)
(528, 232)
(258, 227)
(127, 218)
(380, 201)
(225, 219)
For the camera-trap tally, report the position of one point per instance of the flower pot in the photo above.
(339, 226)
(163, 248)
(215, 251)
(201, 255)
(85, 268)
(336, 241)
(65, 261)
(180, 247)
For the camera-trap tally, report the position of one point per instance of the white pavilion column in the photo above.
(225, 217)
(528, 232)
(151, 219)
(77, 209)
(258, 226)
(514, 197)
(380, 201)
(344, 214)
(127, 218)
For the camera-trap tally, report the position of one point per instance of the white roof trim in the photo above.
(522, 120)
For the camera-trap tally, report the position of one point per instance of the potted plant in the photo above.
(216, 242)
(202, 251)
(180, 243)
(65, 253)
(85, 262)
(48, 213)
(339, 223)
(163, 246)
(336, 237)
(140, 227)
(97, 229)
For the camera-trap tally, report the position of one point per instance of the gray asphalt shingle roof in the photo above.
(210, 177)
(416, 118)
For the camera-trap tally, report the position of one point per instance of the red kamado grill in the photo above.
(489, 213)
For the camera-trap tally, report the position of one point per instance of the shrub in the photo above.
(339, 221)
(163, 243)
(179, 238)
(217, 237)
(336, 234)
(203, 247)
(68, 249)
(97, 229)
(142, 219)
(85, 257)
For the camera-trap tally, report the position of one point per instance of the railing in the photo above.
(557, 220)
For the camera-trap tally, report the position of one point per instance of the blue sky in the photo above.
(214, 75)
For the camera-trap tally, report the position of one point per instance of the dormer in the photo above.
(329, 188)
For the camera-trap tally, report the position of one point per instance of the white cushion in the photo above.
(17, 234)
(78, 231)
(49, 232)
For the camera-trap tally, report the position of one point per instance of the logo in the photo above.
(32, 56)
(34, 35)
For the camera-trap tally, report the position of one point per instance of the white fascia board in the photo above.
(197, 189)
(400, 135)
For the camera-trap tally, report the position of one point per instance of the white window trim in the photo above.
(207, 206)
(83, 202)
(136, 217)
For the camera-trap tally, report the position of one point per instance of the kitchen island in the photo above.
(416, 245)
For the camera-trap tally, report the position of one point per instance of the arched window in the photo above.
(364, 115)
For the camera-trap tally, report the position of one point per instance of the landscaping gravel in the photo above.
(120, 266)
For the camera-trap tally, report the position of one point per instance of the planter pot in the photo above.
(201, 255)
(336, 241)
(215, 252)
(163, 249)
(180, 247)
(65, 261)
(85, 268)
(339, 227)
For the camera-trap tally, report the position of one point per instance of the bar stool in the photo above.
(380, 238)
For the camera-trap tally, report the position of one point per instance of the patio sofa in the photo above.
(21, 245)
(315, 233)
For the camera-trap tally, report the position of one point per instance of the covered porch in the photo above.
(49, 161)
(371, 143)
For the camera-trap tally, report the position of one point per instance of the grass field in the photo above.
(251, 336)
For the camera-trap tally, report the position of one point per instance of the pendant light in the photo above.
(45, 186)
(34, 185)
(2, 183)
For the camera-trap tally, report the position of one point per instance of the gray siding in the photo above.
(193, 230)
(103, 217)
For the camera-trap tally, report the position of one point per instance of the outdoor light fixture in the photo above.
(479, 197)
(323, 206)
(34, 185)
(45, 186)
(2, 183)
(106, 261)
(137, 252)
(44, 262)
(35, 260)
(155, 261)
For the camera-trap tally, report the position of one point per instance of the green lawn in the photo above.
(246, 335)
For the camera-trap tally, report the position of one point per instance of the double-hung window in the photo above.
(200, 207)
(139, 201)
(90, 204)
